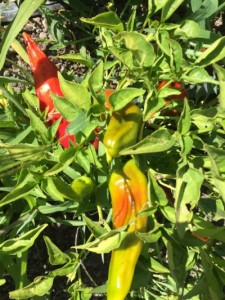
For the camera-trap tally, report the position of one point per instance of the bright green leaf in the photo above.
(94, 227)
(56, 256)
(221, 76)
(122, 97)
(169, 8)
(39, 287)
(185, 120)
(109, 20)
(18, 193)
(76, 93)
(188, 29)
(76, 57)
(142, 50)
(198, 75)
(159, 141)
(105, 243)
(23, 242)
(213, 54)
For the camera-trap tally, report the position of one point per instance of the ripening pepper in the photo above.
(128, 190)
(46, 81)
(108, 93)
(123, 129)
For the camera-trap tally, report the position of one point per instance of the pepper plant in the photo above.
(129, 157)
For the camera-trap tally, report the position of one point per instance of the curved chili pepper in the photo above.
(46, 81)
(128, 190)
(123, 128)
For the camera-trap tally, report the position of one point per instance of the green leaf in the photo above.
(96, 79)
(189, 182)
(123, 55)
(94, 227)
(157, 194)
(177, 258)
(18, 193)
(58, 189)
(26, 9)
(213, 283)
(56, 256)
(65, 159)
(214, 208)
(220, 186)
(38, 127)
(204, 118)
(166, 92)
(31, 99)
(150, 237)
(142, 50)
(65, 107)
(207, 229)
(188, 29)
(184, 123)
(105, 243)
(131, 22)
(47, 209)
(198, 75)
(177, 54)
(157, 267)
(205, 10)
(122, 97)
(159, 141)
(22, 243)
(76, 57)
(5, 80)
(109, 20)
(217, 158)
(76, 93)
(67, 270)
(220, 72)
(169, 8)
(39, 287)
(213, 54)
(80, 123)
(162, 39)
(169, 213)
(159, 4)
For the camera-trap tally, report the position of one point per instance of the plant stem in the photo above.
(23, 270)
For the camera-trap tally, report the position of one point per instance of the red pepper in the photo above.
(46, 81)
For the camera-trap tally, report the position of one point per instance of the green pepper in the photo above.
(82, 185)
(128, 190)
(123, 128)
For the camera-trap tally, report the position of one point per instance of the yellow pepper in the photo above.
(123, 128)
(128, 190)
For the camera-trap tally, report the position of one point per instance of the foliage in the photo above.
(131, 47)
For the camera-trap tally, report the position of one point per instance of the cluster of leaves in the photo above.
(180, 148)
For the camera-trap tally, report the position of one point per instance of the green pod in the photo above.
(123, 129)
(82, 186)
